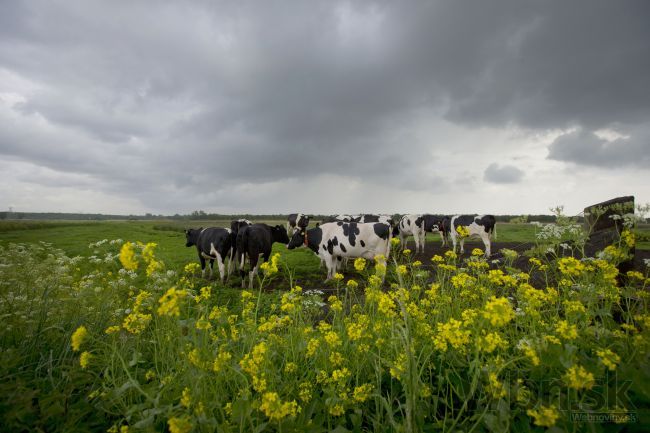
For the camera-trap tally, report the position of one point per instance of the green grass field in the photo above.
(93, 342)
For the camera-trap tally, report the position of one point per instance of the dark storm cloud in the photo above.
(177, 96)
(584, 147)
(496, 173)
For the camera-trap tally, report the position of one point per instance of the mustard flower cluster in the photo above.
(127, 256)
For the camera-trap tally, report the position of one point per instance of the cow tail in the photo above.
(390, 237)
(241, 250)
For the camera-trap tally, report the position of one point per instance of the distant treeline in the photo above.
(201, 215)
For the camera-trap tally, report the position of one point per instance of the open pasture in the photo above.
(108, 335)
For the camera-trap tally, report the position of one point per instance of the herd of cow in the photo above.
(332, 240)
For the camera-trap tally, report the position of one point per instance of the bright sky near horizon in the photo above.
(503, 107)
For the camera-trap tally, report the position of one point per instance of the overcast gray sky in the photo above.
(323, 106)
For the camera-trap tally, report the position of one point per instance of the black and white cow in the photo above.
(411, 225)
(438, 224)
(336, 240)
(257, 241)
(296, 221)
(483, 226)
(375, 218)
(212, 243)
(235, 226)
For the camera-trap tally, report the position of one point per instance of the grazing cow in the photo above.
(257, 240)
(483, 226)
(212, 243)
(438, 224)
(411, 225)
(335, 240)
(295, 221)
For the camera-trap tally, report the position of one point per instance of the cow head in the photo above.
(280, 234)
(298, 239)
(303, 222)
(192, 236)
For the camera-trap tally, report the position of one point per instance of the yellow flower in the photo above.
(275, 409)
(269, 268)
(179, 424)
(578, 377)
(394, 242)
(304, 391)
(462, 231)
(628, 238)
(84, 359)
(335, 304)
(490, 342)
(386, 305)
(127, 257)
(290, 367)
(401, 269)
(362, 393)
(544, 416)
(191, 268)
(186, 398)
(337, 409)
(498, 311)
(332, 339)
(203, 324)
(535, 261)
(636, 275)
(113, 329)
(338, 277)
(451, 333)
(570, 266)
(352, 285)
(608, 358)
(136, 322)
(169, 302)
(566, 330)
(222, 360)
(205, 294)
(360, 263)
(450, 255)
(78, 337)
(530, 352)
(340, 375)
(477, 252)
(406, 251)
(573, 307)
(312, 346)
(495, 388)
(148, 256)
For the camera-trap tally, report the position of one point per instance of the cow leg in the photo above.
(331, 266)
(202, 260)
(242, 274)
(485, 237)
(211, 270)
(254, 267)
(462, 245)
(221, 266)
(402, 240)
